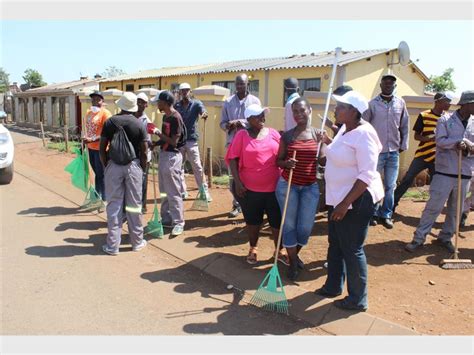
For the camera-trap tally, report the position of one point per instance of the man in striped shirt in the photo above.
(425, 154)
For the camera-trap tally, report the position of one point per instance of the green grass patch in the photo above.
(61, 146)
(417, 194)
(221, 180)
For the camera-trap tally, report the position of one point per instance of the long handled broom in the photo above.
(154, 227)
(455, 262)
(201, 202)
(270, 295)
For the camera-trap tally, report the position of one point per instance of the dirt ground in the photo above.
(405, 288)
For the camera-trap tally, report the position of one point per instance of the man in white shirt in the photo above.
(292, 93)
(142, 103)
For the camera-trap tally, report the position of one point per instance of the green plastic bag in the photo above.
(79, 170)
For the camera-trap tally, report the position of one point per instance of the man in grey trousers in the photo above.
(454, 133)
(123, 177)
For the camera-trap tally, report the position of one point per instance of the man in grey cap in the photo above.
(425, 154)
(124, 174)
(232, 120)
(190, 110)
(389, 116)
(454, 133)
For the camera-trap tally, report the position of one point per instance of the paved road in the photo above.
(55, 280)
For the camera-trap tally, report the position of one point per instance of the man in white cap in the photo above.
(190, 109)
(454, 133)
(389, 116)
(142, 103)
(124, 164)
(232, 120)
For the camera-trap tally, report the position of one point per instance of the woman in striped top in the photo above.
(304, 191)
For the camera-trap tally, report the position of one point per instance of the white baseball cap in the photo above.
(255, 110)
(154, 99)
(184, 86)
(128, 102)
(142, 96)
(355, 99)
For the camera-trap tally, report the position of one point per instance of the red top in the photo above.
(304, 173)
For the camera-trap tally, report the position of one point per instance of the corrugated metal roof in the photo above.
(61, 86)
(295, 61)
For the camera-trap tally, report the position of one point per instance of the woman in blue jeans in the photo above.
(304, 191)
(353, 187)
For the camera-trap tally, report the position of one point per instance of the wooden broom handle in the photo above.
(280, 232)
(458, 205)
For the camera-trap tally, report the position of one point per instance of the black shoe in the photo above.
(448, 245)
(322, 292)
(235, 212)
(373, 221)
(412, 246)
(387, 223)
(299, 263)
(343, 304)
(292, 273)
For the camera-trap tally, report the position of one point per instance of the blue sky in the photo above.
(63, 50)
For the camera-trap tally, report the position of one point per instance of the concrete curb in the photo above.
(304, 304)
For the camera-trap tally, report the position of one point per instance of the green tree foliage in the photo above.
(33, 78)
(4, 80)
(112, 71)
(442, 83)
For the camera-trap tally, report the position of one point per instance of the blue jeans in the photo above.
(346, 251)
(97, 167)
(388, 167)
(300, 213)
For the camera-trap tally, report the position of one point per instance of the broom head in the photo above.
(270, 295)
(201, 203)
(154, 227)
(456, 264)
(92, 201)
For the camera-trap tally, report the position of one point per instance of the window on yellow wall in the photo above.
(146, 86)
(253, 86)
(313, 84)
(110, 87)
(129, 87)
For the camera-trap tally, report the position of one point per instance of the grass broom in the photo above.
(270, 295)
(154, 227)
(455, 263)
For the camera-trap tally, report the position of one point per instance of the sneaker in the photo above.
(373, 221)
(448, 245)
(343, 304)
(208, 196)
(109, 251)
(283, 258)
(387, 222)
(293, 273)
(235, 212)
(177, 230)
(412, 246)
(322, 292)
(140, 246)
(185, 195)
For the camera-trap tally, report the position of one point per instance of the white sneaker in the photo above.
(208, 196)
(140, 246)
(177, 230)
(106, 250)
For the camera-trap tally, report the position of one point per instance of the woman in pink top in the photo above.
(353, 187)
(252, 159)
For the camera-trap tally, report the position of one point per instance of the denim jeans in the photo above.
(97, 167)
(416, 167)
(346, 254)
(300, 213)
(388, 167)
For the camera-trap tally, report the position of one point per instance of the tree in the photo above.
(4, 80)
(442, 83)
(112, 71)
(33, 78)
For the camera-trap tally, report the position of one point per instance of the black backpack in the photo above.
(121, 150)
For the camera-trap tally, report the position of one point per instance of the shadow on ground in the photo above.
(51, 211)
(237, 318)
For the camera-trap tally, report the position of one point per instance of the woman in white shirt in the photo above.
(353, 187)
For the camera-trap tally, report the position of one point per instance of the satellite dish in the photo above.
(403, 53)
